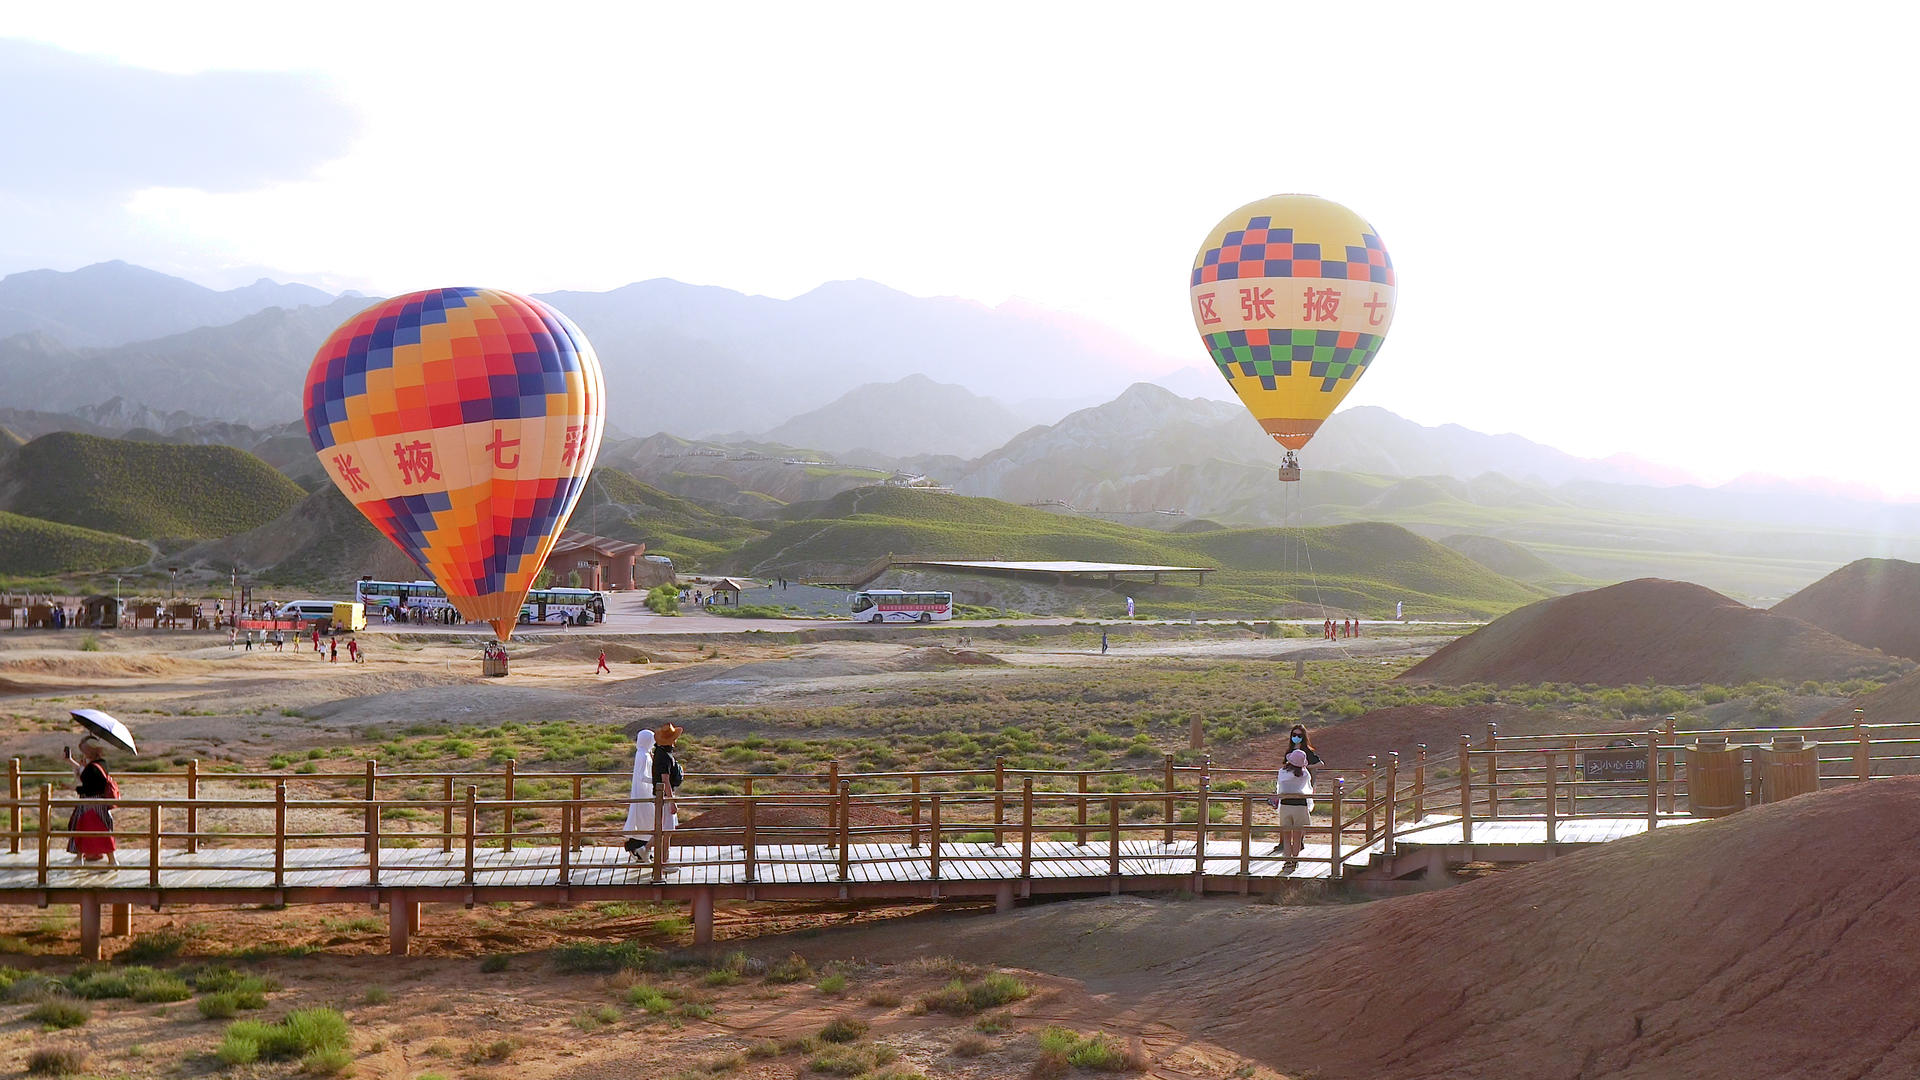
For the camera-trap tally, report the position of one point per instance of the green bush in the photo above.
(329, 1062)
(833, 985)
(1099, 1052)
(664, 600)
(649, 998)
(791, 970)
(224, 1004)
(158, 945)
(216, 980)
(493, 964)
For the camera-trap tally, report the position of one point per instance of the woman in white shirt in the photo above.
(1293, 792)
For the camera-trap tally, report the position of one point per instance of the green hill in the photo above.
(618, 506)
(30, 546)
(145, 490)
(1366, 566)
(1505, 557)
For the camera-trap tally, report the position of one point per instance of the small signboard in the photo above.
(1621, 764)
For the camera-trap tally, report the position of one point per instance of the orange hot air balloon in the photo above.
(463, 423)
(1292, 296)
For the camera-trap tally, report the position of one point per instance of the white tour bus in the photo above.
(425, 601)
(893, 605)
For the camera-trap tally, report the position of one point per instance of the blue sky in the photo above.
(1682, 231)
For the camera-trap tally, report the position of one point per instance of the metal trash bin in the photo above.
(1791, 766)
(1716, 778)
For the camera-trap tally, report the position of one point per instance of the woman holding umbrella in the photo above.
(93, 825)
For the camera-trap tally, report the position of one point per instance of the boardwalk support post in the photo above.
(1862, 759)
(913, 830)
(1003, 898)
(397, 923)
(1671, 756)
(122, 921)
(46, 830)
(472, 816)
(1553, 796)
(703, 917)
(280, 835)
(446, 819)
(1201, 819)
(373, 813)
(1026, 828)
(1393, 800)
(999, 801)
(933, 836)
(1246, 841)
(846, 792)
(1080, 813)
(506, 820)
(1167, 786)
(1419, 782)
(747, 839)
(833, 809)
(13, 815)
(1493, 769)
(90, 925)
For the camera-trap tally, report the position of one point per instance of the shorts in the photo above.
(1295, 817)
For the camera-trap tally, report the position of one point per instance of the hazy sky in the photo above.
(1656, 228)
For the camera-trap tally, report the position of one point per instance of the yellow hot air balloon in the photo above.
(1292, 296)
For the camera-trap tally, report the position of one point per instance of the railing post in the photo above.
(373, 812)
(1113, 837)
(1493, 769)
(1419, 782)
(13, 814)
(473, 813)
(846, 791)
(1080, 811)
(1393, 798)
(573, 811)
(658, 847)
(1202, 814)
(506, 820)
(1337, 870)
(999, 801)
(746, 835)
(280, 835)
(1246, 835)
(1167, 786)
(913, 830)
(833, 808)
(1026, 827)
(1466, 789)
(1553, 795)
(46, 830)
(1653, 780)
(153, 851)
(1373, 770)
(566, 845)
(446, 814)
(373, 844)
(193, 811)
(933, 837)
(1670, 755)
(1862, 755)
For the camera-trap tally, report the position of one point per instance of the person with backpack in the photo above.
(655, 775)
(92, 825)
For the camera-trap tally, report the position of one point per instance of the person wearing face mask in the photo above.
(1293, 795)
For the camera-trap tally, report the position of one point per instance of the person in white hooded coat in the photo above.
(639, 825)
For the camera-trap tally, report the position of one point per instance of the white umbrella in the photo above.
(106, 727)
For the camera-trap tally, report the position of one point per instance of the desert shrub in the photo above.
(971, 1044)
(155, 946)
(1099, 1052)
(844, 1029)
(833, 985)
(791, 970)
(59, 1014)
(649, 998)
(329, 1062)
(884, 999)
(664, 600)
(215, 980)
(493, 964)
(852, 1060)
(964, 999)
(56, 1061)
(376, 995)
(721, 977)
(605, 958)
(697, 1010)
(596, 1018)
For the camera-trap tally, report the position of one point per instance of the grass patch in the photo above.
(376, 995)
(226, 1004)
(844, 1029)
(884, 999)
(960, 998)
(156, 946)
(605, 958)
(971, 1044)
(138, 982)
(852, 1060)
(791, 970)
(309, 1034)
(832, 985)
(649, 998)
(59, 1014)
(494, 964)
(1098, 1052)
(596, 1018)
(56, 1061)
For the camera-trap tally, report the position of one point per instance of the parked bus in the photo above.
(424, 601)
(893, 605)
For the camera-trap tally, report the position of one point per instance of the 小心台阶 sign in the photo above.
(1622, 764)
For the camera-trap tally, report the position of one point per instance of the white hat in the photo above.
(1297, 757)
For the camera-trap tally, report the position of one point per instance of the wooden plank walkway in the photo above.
(231, 869)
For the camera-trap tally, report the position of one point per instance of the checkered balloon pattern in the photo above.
(1293, 296)
(463, 423)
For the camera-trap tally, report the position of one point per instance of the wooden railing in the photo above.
(1005, 816)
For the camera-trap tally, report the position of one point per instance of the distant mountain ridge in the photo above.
(908, 417)
(116, 303)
